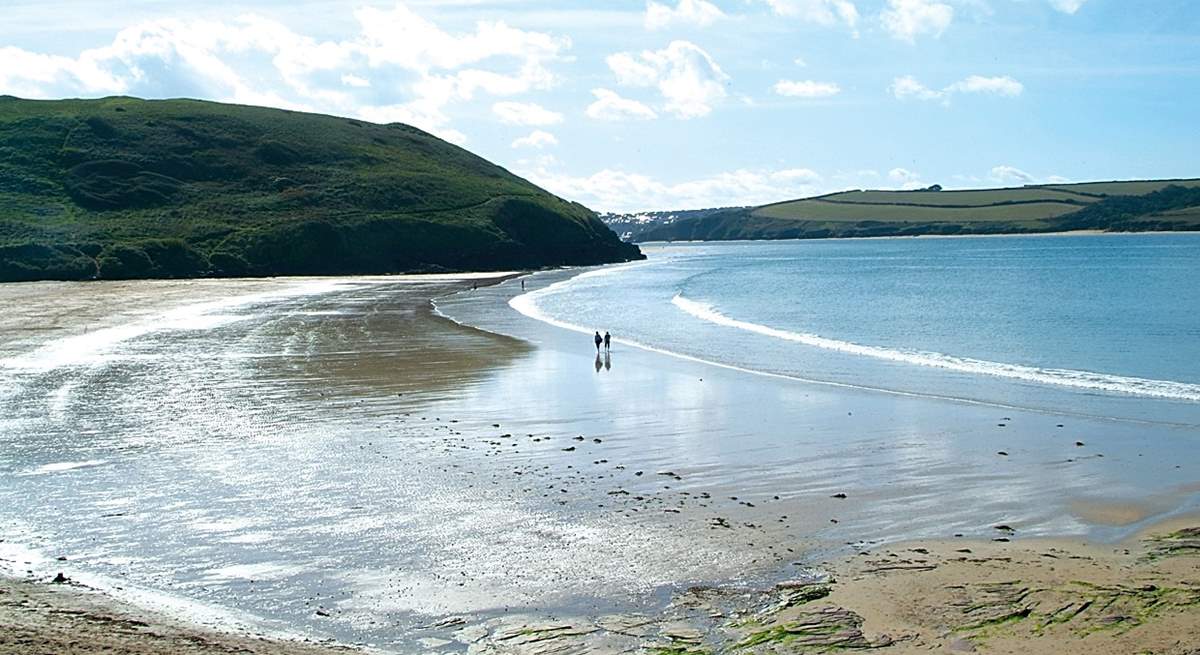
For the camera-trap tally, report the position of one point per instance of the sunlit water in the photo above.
(1103, 325)
(331, 458)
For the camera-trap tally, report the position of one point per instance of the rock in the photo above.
(60, 579)
(568, 449)
(838, 495)
(1078, 443)
(1002, 453)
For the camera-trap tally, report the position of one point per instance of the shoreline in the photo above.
(503, 629)
(1038, 596)
(67, 618)
(1060, 233)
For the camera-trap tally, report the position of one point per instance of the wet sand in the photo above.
(1036, 597)
(66, 619)
(348, 465)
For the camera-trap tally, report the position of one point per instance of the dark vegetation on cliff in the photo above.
(127, 188)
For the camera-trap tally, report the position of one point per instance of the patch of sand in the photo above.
(67, 619)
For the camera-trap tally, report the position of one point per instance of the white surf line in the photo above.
(1168, 389)
(526, 305)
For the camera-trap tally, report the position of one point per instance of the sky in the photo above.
(675, 104)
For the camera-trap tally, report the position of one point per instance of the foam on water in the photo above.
(1055, 376)
(59, 467)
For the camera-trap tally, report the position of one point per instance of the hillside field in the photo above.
(128, 188)
(1117, 206)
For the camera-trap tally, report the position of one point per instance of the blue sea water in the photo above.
(1098, 325)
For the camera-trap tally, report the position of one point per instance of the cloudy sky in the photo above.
(671, 104)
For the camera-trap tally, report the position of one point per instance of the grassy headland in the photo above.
(128, 188)
(1139, 206)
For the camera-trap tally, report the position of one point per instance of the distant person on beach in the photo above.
(599, 340)
(522, 285)
(607, 340)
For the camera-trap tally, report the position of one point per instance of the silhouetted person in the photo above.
(522, 285)
(599, 340)
(607, 340)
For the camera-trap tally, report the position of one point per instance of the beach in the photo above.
(337, 459)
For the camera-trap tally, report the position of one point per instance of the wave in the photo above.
(527, 305)
(1052, 376)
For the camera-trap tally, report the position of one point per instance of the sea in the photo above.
(1101, 325)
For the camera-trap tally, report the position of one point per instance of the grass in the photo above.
(1129, 188)
(823, 210)
(121, 188)
(975, 198)
(1159, 205)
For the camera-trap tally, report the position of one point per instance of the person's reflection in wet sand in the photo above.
(607, 361)
(599, 364)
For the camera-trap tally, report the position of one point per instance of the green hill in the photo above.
(128, 188)
(1112, 206)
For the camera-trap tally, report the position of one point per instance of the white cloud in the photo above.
(609, 106)
(525, 113)
(689, 80)
(699, 13)
(806, 89)
(536, 139)
(616, 190)
(908, 19)
(1001, 86)
(908, 87)
(822, 12)
(906, 179)
(1011, 175)
(255, 60)
(1067, 6)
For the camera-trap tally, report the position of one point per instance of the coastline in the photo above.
(495, 633)
(1060, 233)
(1035, 597)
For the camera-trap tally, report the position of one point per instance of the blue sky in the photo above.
(674, 104)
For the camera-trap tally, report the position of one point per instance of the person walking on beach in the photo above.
(599, 340)
(607, 340)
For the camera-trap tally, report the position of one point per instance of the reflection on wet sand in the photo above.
(379, 345)
(344, 461)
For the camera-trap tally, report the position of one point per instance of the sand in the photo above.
(1033, 597)
(1025, 594)
(65, 619)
